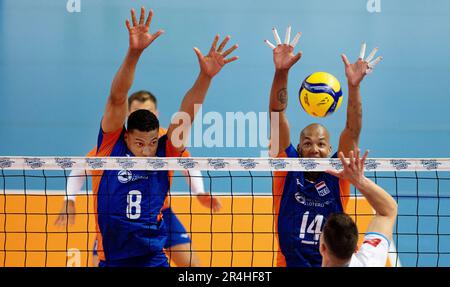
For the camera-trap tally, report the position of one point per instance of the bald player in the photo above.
(304, 200)
(339, 239)
(178, 244)
(129, 220)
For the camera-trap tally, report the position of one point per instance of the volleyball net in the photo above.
(34, 195)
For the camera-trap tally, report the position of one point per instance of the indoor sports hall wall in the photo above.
(56, 69)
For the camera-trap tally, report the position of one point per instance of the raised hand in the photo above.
(353, 171)
(140, 37)
(211, 64)
(355, 72)
(283, 54)
(66, 215)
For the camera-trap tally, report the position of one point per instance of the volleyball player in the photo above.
(178, 244)
(303, 200)
(129, 223)
(339, 239)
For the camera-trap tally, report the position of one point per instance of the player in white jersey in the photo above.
(339, 239)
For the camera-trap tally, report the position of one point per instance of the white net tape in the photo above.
(217, 164)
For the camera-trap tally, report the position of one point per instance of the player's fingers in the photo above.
(127, 23)
(142, 17)
(362, 51)
(214, 44)
(345, 60)
(365, 157)
(297, 57)
(374, 62)
(222, 45)
(352, 160)
(287, 36)
(199, 54)
(371, 55)
(149, 18)
(232, 59)
(358, 160)
(157, 34)
(275, 35)
(296, 38)
(270, 45)
(342, 158)
(133, 17)
(229, 51)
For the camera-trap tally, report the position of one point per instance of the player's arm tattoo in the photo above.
(282, 100)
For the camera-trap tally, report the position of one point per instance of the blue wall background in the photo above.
(56, 69)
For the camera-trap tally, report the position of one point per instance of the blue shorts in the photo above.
(157, 259)
(176, 233)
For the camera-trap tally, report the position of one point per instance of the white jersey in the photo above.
(373, 251)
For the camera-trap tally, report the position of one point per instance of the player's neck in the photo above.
(312, 176)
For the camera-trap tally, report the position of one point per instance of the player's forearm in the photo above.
(354, 112)
(195, 96)
(124, 78)
(278, 93)
(75, 183)
(381, 201)
(194, 180)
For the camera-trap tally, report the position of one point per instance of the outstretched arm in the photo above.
(355, 73)
(210, 66)
(283, 58)
(140, 39)
(383, 203)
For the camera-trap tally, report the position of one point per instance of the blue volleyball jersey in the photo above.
(129, 202)
(301, 209)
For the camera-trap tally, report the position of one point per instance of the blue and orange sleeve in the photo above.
(279, 179)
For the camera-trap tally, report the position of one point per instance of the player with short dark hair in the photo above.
(129, 221)
(339, 239)
(178, 244)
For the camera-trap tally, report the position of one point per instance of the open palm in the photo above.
(211, 64)
(140, 37)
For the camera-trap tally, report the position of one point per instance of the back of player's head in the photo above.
(142, 120)
(340, 235)
(142, 96)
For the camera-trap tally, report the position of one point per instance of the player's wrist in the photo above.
(134, 52)
(281, 72)
(352, 85)
(362, 184)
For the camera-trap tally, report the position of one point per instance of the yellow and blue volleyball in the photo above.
(320, 94)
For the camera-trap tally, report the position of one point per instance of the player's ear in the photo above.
(299, 150)
(322, 247)
(330, 149)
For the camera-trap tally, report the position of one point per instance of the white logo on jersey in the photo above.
(300, 198)
(124, 176)
(298, 182)
(322, 188)
(184, 235)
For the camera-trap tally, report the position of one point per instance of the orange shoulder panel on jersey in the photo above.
(92, 152)
(162, 131)
(107, 145)
(344, 187)
(279, 178)
(166, 204)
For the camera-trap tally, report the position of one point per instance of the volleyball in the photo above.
(320, 94)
